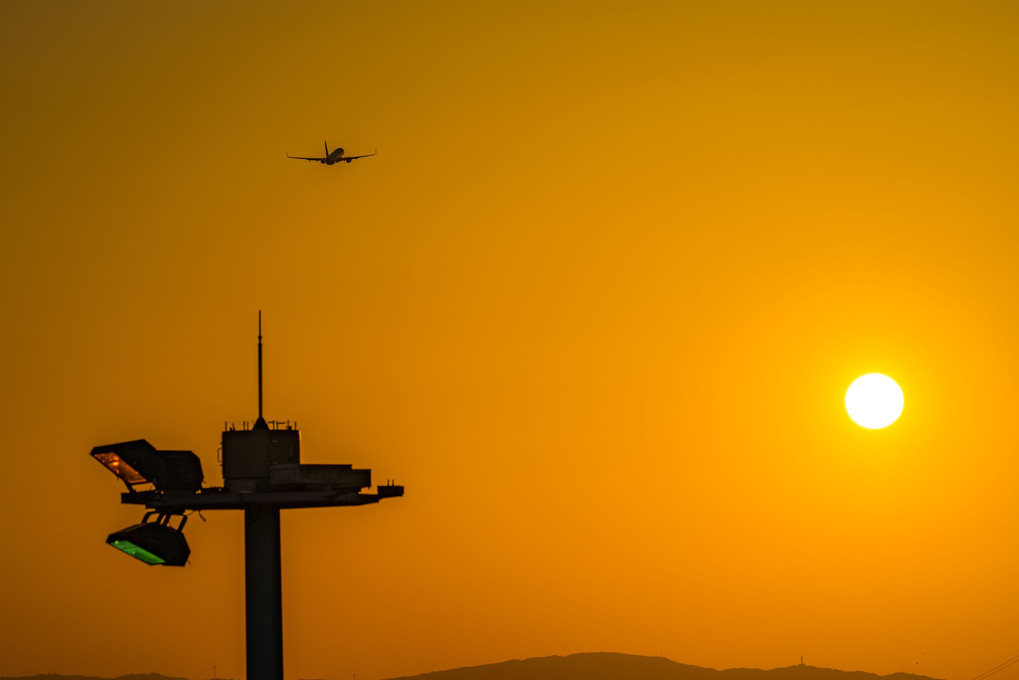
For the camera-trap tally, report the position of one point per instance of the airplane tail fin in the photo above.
(327, 148)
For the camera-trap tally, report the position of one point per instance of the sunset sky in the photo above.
(595, 303)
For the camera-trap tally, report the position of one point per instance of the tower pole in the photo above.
(263, 585)
(260, 364)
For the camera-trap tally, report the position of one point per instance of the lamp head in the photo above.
(138, 462)
(154, 543)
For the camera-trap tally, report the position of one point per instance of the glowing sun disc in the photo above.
(874, 401)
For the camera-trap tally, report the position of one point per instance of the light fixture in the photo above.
(153, 542)
(138, 462)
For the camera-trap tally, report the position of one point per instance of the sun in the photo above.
(874, 401)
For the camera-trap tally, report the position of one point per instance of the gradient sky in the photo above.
(595, 303)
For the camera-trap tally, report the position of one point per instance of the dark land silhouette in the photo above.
(590, 666)
(614, 666)
(57, 676)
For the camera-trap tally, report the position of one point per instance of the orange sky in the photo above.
(595, 303)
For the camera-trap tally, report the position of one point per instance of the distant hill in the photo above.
(612, 666)
(55, 676)
(593, 666)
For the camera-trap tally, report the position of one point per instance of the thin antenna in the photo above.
(260, 364)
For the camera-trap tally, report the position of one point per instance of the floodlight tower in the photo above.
(262, 474)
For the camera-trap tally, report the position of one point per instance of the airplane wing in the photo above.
(354, 158)
(302, 158)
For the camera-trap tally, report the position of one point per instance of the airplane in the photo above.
(335, 156)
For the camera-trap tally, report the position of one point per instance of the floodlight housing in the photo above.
(138, 462)
(154, 543)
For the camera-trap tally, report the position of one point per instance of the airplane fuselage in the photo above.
(335, 156)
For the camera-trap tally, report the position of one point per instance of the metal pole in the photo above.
(263, 586)
(260, 364)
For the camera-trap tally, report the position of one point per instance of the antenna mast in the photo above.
(260, 364)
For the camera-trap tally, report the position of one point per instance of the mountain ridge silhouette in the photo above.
(59, 676)
(583, 666)
(618, 666)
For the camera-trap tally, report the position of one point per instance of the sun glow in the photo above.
(874, 401)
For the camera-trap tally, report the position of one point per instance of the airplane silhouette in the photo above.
(335, 156)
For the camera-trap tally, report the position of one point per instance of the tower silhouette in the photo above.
(262, 475)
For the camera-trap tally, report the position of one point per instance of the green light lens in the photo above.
(137, 553)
